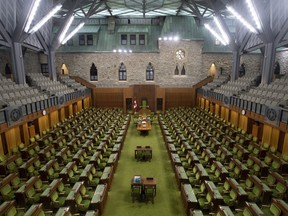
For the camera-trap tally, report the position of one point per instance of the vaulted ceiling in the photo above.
(143, 8)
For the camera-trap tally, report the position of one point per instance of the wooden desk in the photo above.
(181, 176)
(188, 197)
(144, 130)
(142, 150)
(149, 182)
(99, 198)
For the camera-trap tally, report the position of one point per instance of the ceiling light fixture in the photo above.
(207, 26)
(225, 36)
(254, 14)
(80, 25)
(32, 14)
(63, 34)
(241, 19)
(45, 19)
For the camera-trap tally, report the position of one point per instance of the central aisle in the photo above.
(168, 199)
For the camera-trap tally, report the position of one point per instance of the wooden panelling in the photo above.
(13, 138)
(274, 137)
(32, 131)
(127, 93)
(86, 102)
(25, 133)
(266, 137)
(148, 92)
(234, 117)
(160, 93)
(54, 118)
(255, 129)
(285, 146)
(43, 123)
(1, 147)
(243, 122)
(176, 97)
(217, 110)
(107, 97)
(62, 114)
(79, 106)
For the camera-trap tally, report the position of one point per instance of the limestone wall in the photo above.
(282, 58)
(164, 63)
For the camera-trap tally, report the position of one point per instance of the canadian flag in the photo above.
(134, 104)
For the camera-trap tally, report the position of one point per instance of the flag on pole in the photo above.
(134, 104)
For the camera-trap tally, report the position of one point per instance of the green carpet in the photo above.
(168, 199)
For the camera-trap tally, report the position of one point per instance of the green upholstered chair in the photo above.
(186, 164)
(280, 191)
(101, 164)
(285, 157)
(37, 164)
(205, 202)
(267, 159)
(83, 160)
(236, 173)
(136, 192)
(275, 165)
(200, 192)
(62, 190)
(12, 210)
(147, 155)
(56, 200)
(247, 185)
(273, 209)
(231, 199)
(19, 161)
(52, 174)
(7, 192)
(16, 182)
(250, 163)
(72, 177)
(149, 194)
(96, 173)
(11, 167)
(32, 196)
(39, 186)
(255, 194)
(85, 193)
(215, 178)
(2, 157)
(31, 170)
(270, 180)
(246, 212)
(93, 181)
(82, 205)
(225, 188)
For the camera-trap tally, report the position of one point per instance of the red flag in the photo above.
(134, 104)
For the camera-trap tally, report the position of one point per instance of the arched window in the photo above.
(122, 72)
(93, 73)
(149, 72)
(183, 71)
(176, 71)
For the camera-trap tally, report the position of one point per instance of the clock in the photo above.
(44, 112)
(180, 54)
(243, 112)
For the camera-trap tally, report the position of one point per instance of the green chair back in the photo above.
(275, 210)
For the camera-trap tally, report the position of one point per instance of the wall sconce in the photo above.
(212, 69)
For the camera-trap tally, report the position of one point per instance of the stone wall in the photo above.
(32, 62)
(164, 63)
(4, 59)
(282, 58)
(253, 62)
